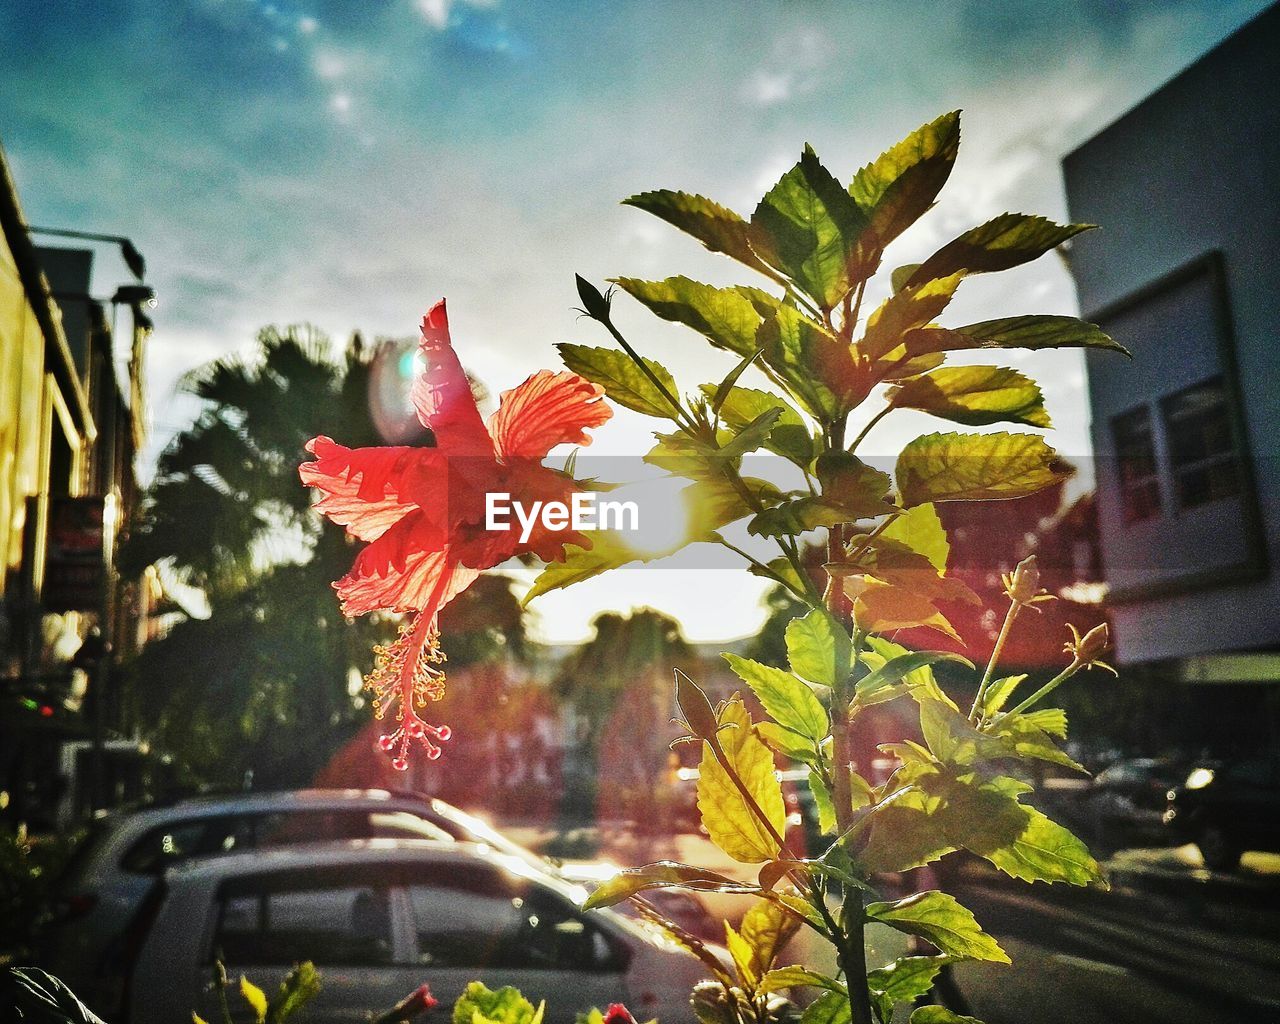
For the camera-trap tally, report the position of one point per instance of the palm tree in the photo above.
(258, 668)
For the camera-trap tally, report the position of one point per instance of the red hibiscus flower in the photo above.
(422, 510)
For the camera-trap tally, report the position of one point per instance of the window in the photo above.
(1136, 454)
(167, 845)
(329, 924)
(1202, 450)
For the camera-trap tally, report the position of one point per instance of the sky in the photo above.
(346, 164)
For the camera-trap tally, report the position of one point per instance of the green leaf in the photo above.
(481, 1005)
(951, 738)
(766, 928)
(822, 801)
(905, 311)
(1030, 332)
(999, 692)
(940, 1015)
(623, 381)
(255, 997)
(903, 981)
(974, 395)
(809, 227)
(729, 820)
(789, 437)
(715, 226)
(300, 986)
(818, 648)
(902, 666)
(923, 685)
(920, 529)
(900, 276)
(1045, 851)
(939, 918)
(1002, 242)
(787, 743)
(731, 379)
(828, 1008)
(788, 701)
(726, 317)
(1051, 720)
(797, 977)
(851, 490)
(817, 369)
(968, 467)
(734, 443)
(904, 835)
(900, 185)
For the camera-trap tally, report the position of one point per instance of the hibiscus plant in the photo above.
(832, 362)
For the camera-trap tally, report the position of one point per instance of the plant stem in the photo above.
(870, 423)
(996, 651)
(1044, 691)
(681, 415)
(850, 941)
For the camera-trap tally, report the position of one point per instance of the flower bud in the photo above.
(1023, 584)
(1094, 643)
(594, 304)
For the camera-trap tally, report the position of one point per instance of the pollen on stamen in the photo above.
(405, 676)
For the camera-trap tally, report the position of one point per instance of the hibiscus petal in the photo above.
(426, 582)
(442, 394)
(546, 410)
(360, 486)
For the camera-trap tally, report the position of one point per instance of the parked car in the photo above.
(119, 862)
(1125, 803)
(1228, 808)
(380, 917)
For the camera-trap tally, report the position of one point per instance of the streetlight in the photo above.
(128, 251)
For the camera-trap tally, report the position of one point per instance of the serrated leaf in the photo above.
(623, 381)
(999, 692)
(902, 666)
(660, 875)
(740, 952)
(797, 977)
(820, 372)
(1051, 720)
(851, 490)
(894, 563)
(751, 436)
(818, 648)
(884, 608)
(786, 699)
(1002, 242)
(1031, 332)
(951, 738)
(940, 918)
(479, 1004)
(787, 743)
(940, 1015)
(900, 185)
(969, 467)
(731, 379)
(828, 1008)
(789, 437)
(1045, 851)
(715, 226)
(904, 835)
(974, 395)
(901, 275)
(921, 681)
(903, 981)
(904, 311)
(823, 803)
(920, 529)
(809, 227)
(766, 929)
(729, 821)
(255, 997)
(726, 317)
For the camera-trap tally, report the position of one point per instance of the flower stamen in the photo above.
(405, 676)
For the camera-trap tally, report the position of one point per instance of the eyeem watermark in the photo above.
(585, 511)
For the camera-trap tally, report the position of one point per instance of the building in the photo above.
(1184, 272)
(69, 431)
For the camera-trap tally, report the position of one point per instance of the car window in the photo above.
(337, 924)
(482, 918)
(167, 845)
(286, 828)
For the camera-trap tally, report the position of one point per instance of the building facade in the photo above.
(1184, 272)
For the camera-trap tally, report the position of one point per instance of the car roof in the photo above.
(275, 800)
(376, 854)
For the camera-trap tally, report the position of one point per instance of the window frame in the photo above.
(1230, 457)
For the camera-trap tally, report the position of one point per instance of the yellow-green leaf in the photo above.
(966, 467)
(903, 980)
(715, 226)
(920, 529)
(818, 648)
(660, 875)
(724, 316)
(939, 918)
(1031, 332)
(796, 976)
(1002, 242)
(974, 395)
(940, 1015)
(1051, 720)
(923, 685)
(999, 692)
(788, 701)
(766, 929)
(623, 381)
(904, 311)
(1044, 851)
(789, 436)
(255, 997)
(819, 370)
(904, 835)
(809, 227)
(900, 185)
(732, 825)
(851, 490)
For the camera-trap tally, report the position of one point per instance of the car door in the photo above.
(347, 924)
(480, 923)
